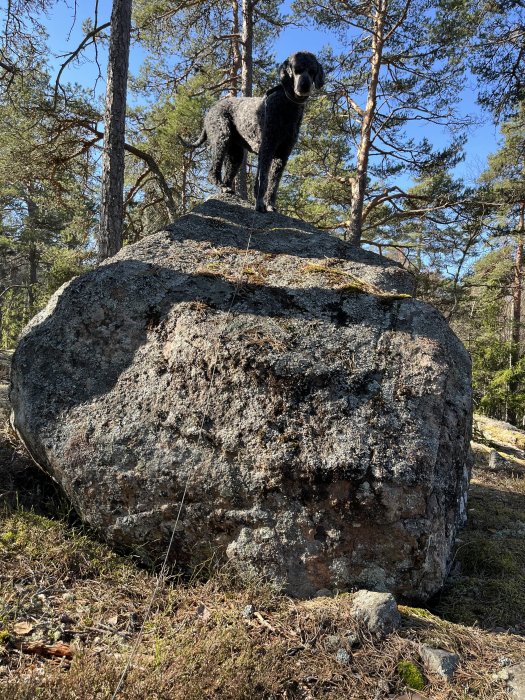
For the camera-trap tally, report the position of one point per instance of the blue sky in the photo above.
(64, 36)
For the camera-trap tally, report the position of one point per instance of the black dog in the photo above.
(266, 125)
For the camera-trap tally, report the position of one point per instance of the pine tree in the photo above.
(112, 203)
(497, 55)
(46, 206)
(403, 64)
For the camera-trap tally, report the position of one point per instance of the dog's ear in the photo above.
(319, 76)
(285, 71)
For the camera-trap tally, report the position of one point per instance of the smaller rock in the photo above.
(342, 657)
(502, 675)
(323, 593)
(497, 463)
(442, 662)
(376, 611)
(352, 639)
(516, 681)
(248, 611)
(332, 642)
(23, 628)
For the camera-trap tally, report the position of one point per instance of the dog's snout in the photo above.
(304, 84)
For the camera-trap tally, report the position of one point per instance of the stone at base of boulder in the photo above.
(377, 612)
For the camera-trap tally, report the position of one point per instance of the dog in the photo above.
(267, 126)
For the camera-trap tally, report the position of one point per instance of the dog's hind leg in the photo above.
(232, 163)
(218, 129)
(218, 153)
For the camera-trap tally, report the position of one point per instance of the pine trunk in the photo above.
(515, 333)
(246, 82)
(112, 200)
(33, 276)
(32, 211)
(235, 58)
(359, 181)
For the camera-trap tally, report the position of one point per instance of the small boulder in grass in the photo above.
(377, 612)
(497, 463)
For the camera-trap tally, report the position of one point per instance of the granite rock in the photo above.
(316, 418)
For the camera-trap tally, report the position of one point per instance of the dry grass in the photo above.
(61, 590)
(487, 587)
(335, 277)
(498, 433)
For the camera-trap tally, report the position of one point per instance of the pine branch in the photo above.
(89, 38)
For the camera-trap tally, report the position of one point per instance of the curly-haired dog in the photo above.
(266, 125)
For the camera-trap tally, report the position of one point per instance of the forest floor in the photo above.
(71, 610)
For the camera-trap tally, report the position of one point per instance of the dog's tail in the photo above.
(187, 144)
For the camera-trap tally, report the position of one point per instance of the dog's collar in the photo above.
(294, 99)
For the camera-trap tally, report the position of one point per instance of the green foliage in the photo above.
(156, 130)
(496, 281)
(505, 175)
(485, 330)
(47, 212)
(16, 312)
(314, 186)
(497, 58)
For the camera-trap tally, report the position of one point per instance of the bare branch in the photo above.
(86, 41)
(399, 22)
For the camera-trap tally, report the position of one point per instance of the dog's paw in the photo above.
(226, 190)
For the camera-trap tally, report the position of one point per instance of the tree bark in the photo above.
(32, 255)
(112, 199)
(358, 184)
(184, 188)
(517, 291)
(247, 44)
(246, 82)
(236, 58)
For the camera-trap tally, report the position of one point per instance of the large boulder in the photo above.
(316, 417)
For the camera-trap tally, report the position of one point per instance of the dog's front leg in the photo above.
(276, 171)
(261, 181)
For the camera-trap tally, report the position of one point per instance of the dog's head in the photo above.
(300, 73)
